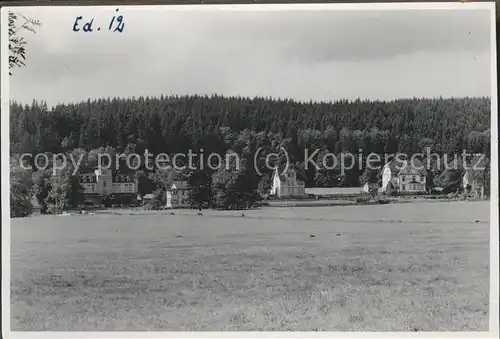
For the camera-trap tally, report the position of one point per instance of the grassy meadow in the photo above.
(399, 267)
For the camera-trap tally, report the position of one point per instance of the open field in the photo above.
(400, 267)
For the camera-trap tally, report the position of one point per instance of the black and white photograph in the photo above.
(249, 168)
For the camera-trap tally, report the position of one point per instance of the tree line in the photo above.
(222, 125)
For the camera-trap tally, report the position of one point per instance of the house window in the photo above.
(414, 178)
(403, 187)
(403, 179)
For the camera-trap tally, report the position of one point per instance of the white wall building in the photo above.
(102, 182)
(404, 177)
(287, 184)
(177, 195)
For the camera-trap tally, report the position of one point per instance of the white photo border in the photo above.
(494, 219)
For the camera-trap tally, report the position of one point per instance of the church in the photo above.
(286, 185)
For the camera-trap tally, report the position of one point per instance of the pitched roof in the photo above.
(401, 166)
(88, 178)
(475, 170)
(179, 185)
(472, 175)
(282, 173)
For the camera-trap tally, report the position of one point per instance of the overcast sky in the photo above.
(318, 55)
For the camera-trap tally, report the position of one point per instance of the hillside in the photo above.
(175, 124)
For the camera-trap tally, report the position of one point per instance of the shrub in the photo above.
(20, 207)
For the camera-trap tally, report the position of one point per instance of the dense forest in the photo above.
(216, 124)
(176, 124)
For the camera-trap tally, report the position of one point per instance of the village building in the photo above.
(37, 208)
(404, 177)
(334, 192)
(472, 182)
(473, 178)
(177, 195)
(102, 182)
(286, 185)
(370, 187)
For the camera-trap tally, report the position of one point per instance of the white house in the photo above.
(102, 182)
(177, 195)
(286, 184)
(404, 177)
(473, 178)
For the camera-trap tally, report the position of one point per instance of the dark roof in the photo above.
(281, 171)
(88, 178)
(401, 166)
(119, 178)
